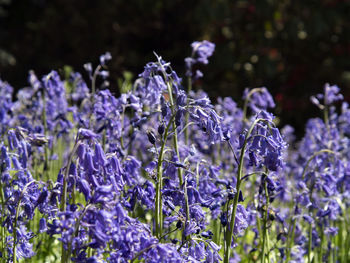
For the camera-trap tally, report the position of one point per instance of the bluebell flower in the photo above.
(87, 134)
(241, 220)
(88, 68)
(42, 225)
(259, 99)
(190, 228)
(203, 50)
(6, 105)
(105, 58)
(331, 94)
(84, 187)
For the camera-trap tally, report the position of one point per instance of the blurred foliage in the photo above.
(126, 82)
(291, 47)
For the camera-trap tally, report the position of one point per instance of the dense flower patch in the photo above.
(162, 174)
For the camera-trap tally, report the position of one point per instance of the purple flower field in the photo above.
(163, 174)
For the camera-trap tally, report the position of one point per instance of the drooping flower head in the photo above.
(201, 51)
(330, 95)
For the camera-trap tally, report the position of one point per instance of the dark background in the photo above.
(290, 46)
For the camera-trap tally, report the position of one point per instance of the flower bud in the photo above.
(151, 137)
(161, 129)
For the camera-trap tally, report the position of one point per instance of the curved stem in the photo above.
(229, 232)
(312, 157)
(245, 106)
(171, 231)
(76, 231)
(14, 257)
(141, 252)
(184, 128)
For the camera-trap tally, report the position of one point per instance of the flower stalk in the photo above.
(230, 228)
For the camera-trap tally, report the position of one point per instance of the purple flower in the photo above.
(331, 95)
(42, 225)
(105, 58)
(260, 99)
(203, 50)
(87, 134)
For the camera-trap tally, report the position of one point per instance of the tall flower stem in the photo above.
(265, 224)
(321, 244)
(76, 230)
(46, 150)
(158, 209)
(93, 83)
(93, 90)
(290, 241)
(189, 88)
(309, 244)
(312, 157)
(325, 109)
(347, 247)
(229, 231)
(3, 251)
(245, 106)
(63, 204)
(14, 256)
(65, 177)
(183, 184)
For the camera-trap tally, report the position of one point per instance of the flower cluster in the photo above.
(159, 174)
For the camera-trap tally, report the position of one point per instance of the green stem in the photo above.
(89, 249)
(176, 146)
(14, 257)
(168, 233)
(291, 240)
(3, 250)
(189, 88)
(321, 245)
(325, 109)
(347, 247)
(65, 178)
(229, 231)
(46, 153)
(76, 232)
(158, 208)
(265, 223)
(93, 83)
(93, 90)
(310, 244)
(64, 193)
(245, 106)
(122, 129)
(341, 239)
(104, 139)
(312, 157)
(141, 252)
